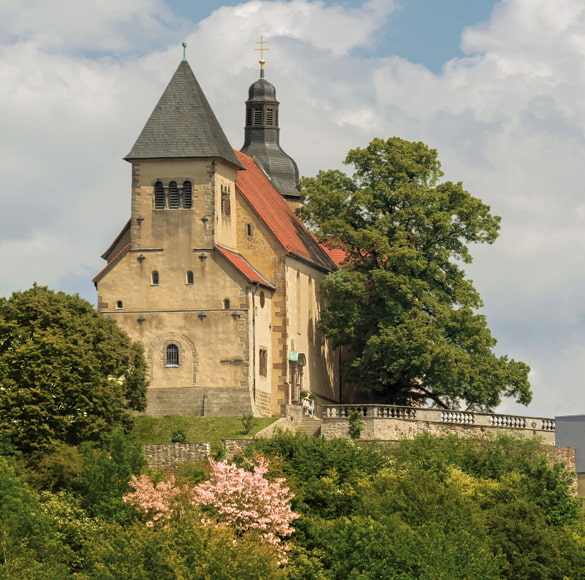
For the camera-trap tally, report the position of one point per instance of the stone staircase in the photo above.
(311, 426)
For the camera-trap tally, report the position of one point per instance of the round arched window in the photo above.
(172, 355)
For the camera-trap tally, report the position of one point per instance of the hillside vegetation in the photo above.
(423, 509)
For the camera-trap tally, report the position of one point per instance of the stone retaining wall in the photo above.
(167, 456)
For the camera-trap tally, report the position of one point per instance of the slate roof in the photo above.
(279, 216)
(245, 268)
(182, 124)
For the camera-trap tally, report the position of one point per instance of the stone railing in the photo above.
(440, 415)
(385, 421)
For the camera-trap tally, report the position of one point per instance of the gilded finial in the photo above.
(262, 49)
(184, 45)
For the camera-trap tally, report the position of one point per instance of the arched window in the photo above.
(172, 355)
(226, 303)
(159, 195)
(189, 277)
(187, 195)
(173, 195)
(155, 278)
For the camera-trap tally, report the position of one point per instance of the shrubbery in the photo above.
(422, 509)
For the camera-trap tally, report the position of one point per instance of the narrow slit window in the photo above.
(249, 230)
(263, 362)
(155, 278)
(172, 355)
(159, 195)
(187, 195)
(173, 195)
(225, 201)
(189, 277)
(226, 303)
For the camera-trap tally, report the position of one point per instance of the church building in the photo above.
(214, 273)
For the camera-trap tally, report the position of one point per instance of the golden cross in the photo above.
(262, 49)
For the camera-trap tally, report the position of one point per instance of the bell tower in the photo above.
(261, 136)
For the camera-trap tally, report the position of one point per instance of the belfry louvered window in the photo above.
(159, 195)
(269, 116)
(172, 355)
(187, 195)
(258, 116)
(173, 195)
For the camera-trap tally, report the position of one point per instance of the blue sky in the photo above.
(496, 87)
(422, 31)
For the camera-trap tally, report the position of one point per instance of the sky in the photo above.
(495, 86)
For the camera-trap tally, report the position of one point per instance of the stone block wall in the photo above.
(167, 456)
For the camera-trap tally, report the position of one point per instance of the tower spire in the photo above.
(261, 135)
(262, 49)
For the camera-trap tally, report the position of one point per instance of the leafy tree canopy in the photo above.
(401, 302)
(67, 374)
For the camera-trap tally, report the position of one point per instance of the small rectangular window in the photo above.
(263, 362)
(249, 230)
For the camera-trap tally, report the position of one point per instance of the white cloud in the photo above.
(70, 25)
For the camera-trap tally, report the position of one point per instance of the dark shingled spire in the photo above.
(183, 124)
(261, 139)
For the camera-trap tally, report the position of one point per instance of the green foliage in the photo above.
(248, 423)
(356, 424)
(322, 473)
(28, 547)
(178, 436)
(449, 508)
(185, 549)
(54, 470)
(401, 302)
(105, 476)
(68, 374)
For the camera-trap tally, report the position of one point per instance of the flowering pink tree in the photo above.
(241, 499)
(159, 502)
(246, 500)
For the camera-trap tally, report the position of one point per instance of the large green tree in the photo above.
(67, 374)
(401, 303)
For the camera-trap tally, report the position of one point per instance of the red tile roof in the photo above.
(111, 262)
(336, 254)
(244, 267)
(279, 216)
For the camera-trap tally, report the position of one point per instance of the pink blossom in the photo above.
(241, 499)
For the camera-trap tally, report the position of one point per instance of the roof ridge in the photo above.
(278, 216)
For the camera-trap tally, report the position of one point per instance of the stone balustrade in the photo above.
(394, 422)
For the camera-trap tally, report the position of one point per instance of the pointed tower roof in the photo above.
(183, 124)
